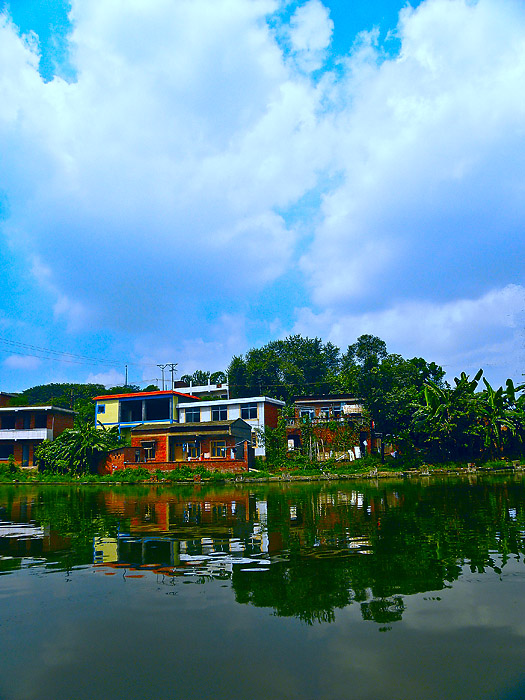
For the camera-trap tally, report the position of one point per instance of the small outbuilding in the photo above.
(218, 445)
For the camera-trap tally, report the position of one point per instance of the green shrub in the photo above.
(131, 475)
(10, 470)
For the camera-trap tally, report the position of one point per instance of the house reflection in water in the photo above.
(301, 550)
(205, 535)
(209, 535)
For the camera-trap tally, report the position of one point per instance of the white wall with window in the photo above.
(251, 409)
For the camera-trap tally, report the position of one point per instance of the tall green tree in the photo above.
(387, 383)
(461, 422)
(198, 378)
(284, 368)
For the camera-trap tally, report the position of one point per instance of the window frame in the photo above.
(247, 408)
(193, 449)
(218, 446)
(220, 409)
(192, 410)
(149, 452)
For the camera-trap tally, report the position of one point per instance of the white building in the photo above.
(257, 411)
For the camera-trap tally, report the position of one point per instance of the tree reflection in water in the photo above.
(303, 550)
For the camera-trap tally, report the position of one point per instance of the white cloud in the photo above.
(431, 151)
(110, 378)
(166, 186)
(165, 159)
(22, 362)
(310, 34)
(461, 335)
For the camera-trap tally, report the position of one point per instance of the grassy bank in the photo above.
(368, 467)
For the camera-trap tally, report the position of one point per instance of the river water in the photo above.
(395, 590)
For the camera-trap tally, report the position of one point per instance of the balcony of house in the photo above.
(23, 424)
(322, 417)
(153, 410)
(14, 434)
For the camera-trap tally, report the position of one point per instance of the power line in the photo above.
(54, 359)
(61, 356)
(60, 353)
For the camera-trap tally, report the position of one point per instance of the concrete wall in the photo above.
(111, 413)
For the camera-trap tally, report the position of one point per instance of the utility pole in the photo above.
(162, 368)
(172, 369)
(126, 382)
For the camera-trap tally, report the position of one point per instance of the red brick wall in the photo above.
(271, 415)
(125, 458)
(161, 449)
(118, 459)
(161, 444)
(221, 465)
(17, 451)
(61, 423)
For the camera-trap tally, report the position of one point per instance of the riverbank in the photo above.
(310, 472)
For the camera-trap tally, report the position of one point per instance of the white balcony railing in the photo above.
(27, 434)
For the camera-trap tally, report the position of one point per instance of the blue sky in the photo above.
(183, 180)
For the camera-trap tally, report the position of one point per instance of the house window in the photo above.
(6, 449)
(101, 408)
(249, 411)
(8, 421)
(149, 448)
(219, 413)
(194, 450)
(307, 413)
(193, 415)
(40, 420)
(131, 411)
(325, 412)
(218, 448)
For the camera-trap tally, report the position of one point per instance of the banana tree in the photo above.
(445, 417)
(76, 450)
(501, 417)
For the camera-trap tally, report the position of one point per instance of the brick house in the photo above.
(221, 445)
(168, 408)
(23, 428)
(333, 419)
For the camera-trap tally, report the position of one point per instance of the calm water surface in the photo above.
(394, 589)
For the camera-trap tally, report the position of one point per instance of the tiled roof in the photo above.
(142, 394)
